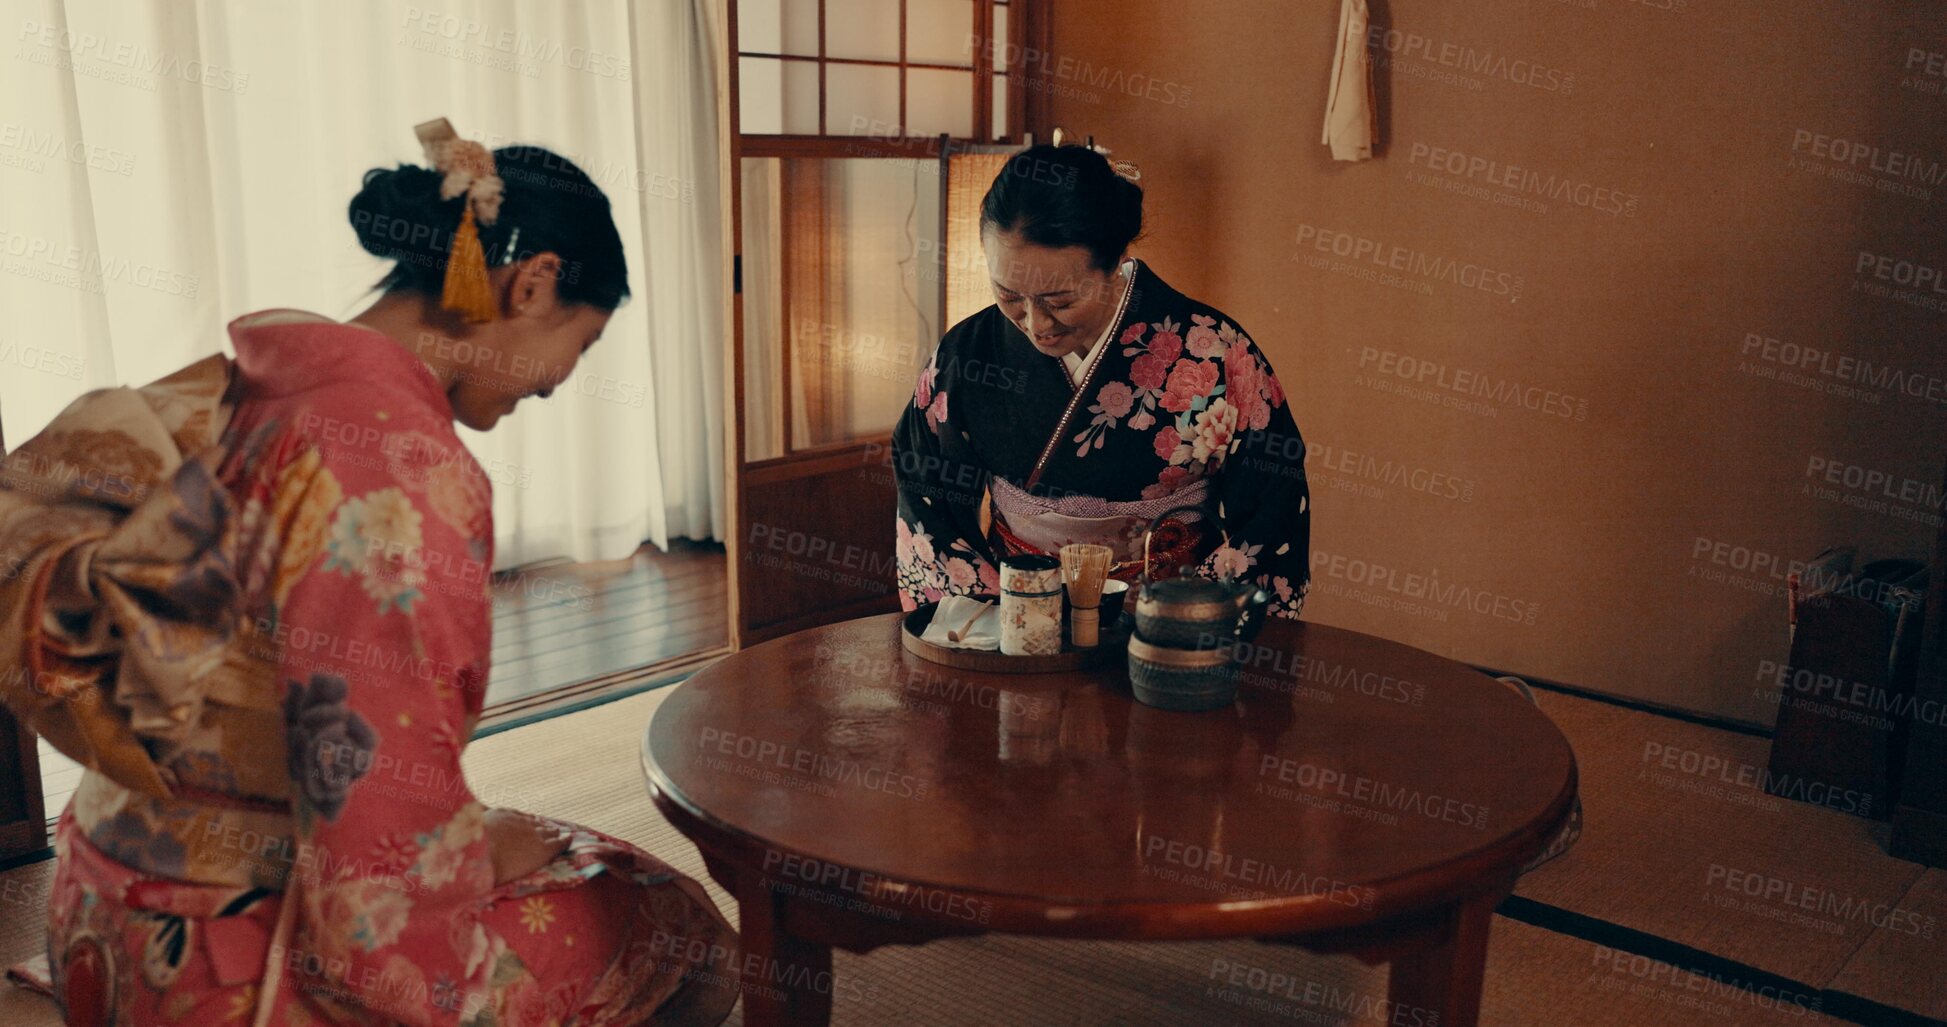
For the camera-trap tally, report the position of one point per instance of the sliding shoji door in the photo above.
(848, 121)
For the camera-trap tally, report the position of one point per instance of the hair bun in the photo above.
(1131, 196)
(1121, 198)
(548, 205)
(1069, 195)
(399, 215)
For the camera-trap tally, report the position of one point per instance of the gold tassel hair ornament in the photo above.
(469, 171)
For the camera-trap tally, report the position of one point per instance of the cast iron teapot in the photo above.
(1188, 612)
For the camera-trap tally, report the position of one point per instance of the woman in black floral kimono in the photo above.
(1089, 399)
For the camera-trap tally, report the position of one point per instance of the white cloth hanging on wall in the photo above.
(1349, 108)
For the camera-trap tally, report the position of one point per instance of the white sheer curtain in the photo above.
(167, 167)
(677, 140)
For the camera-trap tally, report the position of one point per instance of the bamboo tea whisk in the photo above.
(1084, 568)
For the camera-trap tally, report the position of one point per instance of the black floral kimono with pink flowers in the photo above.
(1178, 404)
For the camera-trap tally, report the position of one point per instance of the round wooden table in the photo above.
(1361, 797)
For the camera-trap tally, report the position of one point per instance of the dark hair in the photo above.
(557, 208)
(1061, 196)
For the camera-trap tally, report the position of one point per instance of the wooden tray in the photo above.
(1115, 641)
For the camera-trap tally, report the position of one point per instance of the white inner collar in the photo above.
(1077, 363)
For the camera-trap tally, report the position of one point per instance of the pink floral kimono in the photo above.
(252, 599)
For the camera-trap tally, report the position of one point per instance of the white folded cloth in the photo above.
(953, 612)
(1349, 108)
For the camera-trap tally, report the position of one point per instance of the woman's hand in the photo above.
(521, 844)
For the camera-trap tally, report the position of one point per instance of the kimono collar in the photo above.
(285, 351)
(1078, 363)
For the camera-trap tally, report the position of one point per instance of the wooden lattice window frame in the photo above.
(1025, 29)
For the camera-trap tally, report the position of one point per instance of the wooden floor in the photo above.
(559, 624)
(563, 623)
(60, 776)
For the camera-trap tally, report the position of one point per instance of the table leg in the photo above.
(1443, 982)
(787, 980)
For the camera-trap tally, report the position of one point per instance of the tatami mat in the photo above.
(23, 922)
(1644, 862)
(1904, 963)
(1538, 978)
(1534, 976)
(26, 1009)
(1680, 841)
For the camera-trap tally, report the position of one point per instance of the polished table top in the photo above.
(1355, 779)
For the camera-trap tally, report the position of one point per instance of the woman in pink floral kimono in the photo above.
(252, 599)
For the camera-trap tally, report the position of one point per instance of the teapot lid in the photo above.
(1189, 589)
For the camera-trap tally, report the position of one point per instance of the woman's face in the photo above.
(529, 355)
(530, 351)
(1056, 297)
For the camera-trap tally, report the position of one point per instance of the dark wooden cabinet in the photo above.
(1920, 819)
(1849, 741)
(23, 812)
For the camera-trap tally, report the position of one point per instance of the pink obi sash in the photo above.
(1047, 524)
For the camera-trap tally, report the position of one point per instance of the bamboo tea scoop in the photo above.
(953, 635)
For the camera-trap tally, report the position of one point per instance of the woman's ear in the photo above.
(532, 289)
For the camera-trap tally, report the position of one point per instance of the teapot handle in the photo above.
(1157, 522)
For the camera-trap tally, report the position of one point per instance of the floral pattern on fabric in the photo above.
(280, 827)
(376, 539)
(106, 464)
(931, 402)
(129, 837)
(305, 512)
(331, 745)
(1238, 558)
(931, 574)
(1181, 395)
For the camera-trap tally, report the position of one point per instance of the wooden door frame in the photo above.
(1027, 33)
(23, 804)
(730, 195)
